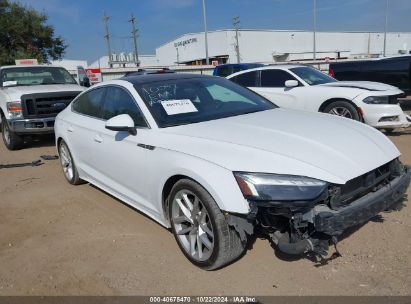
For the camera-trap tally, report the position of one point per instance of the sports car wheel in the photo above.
(67, 163)
(344, 109)
(200, 227)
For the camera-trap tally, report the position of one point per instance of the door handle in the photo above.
(98, 139)
(70, 129)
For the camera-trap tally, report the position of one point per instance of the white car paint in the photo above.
(274, 141)
(312, 97)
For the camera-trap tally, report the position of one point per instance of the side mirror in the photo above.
(291, 84)
(121, 122)
(85, 82)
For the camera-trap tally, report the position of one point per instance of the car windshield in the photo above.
(184, 101)
(312, 76)
(26, 76)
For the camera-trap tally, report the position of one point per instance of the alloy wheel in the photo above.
(192, 225)
(341, 111)
(66, 162)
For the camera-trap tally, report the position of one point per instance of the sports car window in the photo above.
(312, 76)
(275, 78)
(118, 101)
(248, 79)
(90, 103)
(192, 100)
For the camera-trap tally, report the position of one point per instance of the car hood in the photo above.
(282, 141)
(16, 92)
(365, 85)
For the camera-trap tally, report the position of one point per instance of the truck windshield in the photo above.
(40, 75)
(192, 100)
(312, 76)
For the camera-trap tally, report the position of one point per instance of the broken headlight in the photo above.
(273, 187)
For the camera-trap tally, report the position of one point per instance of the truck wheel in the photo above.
(344, 109)
(68, 165)
(11, 140)
(200, 228)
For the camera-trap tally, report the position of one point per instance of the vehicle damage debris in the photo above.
(310, 228)
(49, 157)
(34, 163)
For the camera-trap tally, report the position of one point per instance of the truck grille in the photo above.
(43, 105)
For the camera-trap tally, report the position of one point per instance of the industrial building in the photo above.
(269, 46)
(279, 46)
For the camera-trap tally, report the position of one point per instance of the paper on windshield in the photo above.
(180, 106)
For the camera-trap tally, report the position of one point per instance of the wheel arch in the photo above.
(334, 99)
(223, 190)
(167, 187)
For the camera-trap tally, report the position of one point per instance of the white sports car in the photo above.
(306, 88)
(212, 160)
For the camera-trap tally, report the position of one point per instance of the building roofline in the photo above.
(280, 31)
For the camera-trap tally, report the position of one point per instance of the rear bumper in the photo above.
(32, 126)
(333, 222)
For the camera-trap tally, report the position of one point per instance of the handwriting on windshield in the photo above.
(160, 93)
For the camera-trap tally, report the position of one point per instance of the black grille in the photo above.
(43, 105)
(343, 195)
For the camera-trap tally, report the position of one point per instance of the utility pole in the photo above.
(314, 28)
(236, 24)
(107, 36)
(134, 31)
(385, 29)
(205, 33)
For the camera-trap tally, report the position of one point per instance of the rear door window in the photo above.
(249, 79)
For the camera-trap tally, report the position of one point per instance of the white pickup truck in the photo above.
(31, 96)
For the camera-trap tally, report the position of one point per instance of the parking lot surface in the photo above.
(57, 239)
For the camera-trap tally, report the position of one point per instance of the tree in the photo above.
(24, 33)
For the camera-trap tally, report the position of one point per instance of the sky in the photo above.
(80, 23)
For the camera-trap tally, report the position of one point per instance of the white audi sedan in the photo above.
(306, 88)
(213, 161)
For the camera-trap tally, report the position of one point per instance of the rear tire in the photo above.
(11, 140)
(344, 109)
(199, 225)
(68, 165)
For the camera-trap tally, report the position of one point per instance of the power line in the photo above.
(236, 25)
(134, 35)
(107, 36)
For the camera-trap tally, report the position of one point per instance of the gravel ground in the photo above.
(57, 239)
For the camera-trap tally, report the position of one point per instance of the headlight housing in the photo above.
(14, 108)
(274, 187)
(377, 100)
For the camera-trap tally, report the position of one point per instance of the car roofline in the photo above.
(268, 67)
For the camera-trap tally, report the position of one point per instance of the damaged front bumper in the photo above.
(309, 227)
(334, 222)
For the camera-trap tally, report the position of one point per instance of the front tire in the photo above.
(200, 228)
(11, 140)
(68, 165)
(344, 109)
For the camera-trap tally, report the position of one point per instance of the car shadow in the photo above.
(39, 141)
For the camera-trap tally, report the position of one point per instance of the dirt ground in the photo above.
(57, 239)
